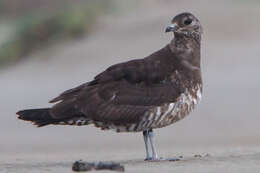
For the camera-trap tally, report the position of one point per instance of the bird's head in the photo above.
(185, 24)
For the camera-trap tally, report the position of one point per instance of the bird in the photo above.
(139, 95)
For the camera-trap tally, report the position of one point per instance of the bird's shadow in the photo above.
(67, 165)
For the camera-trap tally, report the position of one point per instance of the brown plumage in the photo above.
(138, 95)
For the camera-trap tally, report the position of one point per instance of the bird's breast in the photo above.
(170, 113)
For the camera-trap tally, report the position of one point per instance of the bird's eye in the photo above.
(187, 21)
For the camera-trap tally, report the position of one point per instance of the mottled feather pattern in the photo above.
(77, 121)
(134, 102)
(161, 116)
(139, 94)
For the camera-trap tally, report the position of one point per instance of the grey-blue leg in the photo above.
(151, 138)
(149, 134)
(147, 148)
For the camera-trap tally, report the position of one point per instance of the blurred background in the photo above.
(49, 46)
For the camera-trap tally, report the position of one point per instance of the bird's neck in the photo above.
(186, 41)
(187, 50)
(184, 46)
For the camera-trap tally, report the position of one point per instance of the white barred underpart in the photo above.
(77, 121)
(166, 114)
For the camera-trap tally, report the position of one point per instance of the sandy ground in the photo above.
(225, 125)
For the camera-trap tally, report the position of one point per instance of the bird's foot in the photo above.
(158, 159)
(153, 159)
(148, 159)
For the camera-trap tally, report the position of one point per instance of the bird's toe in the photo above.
(148, 159)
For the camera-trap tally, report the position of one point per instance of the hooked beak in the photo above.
(172, 28)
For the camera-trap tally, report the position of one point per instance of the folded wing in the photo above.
(123, 92)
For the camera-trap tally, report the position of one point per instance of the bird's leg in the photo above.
(151, 138)
(154, 153)
(149, 134)
(148, 155)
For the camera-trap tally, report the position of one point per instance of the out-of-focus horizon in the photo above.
(38, 65)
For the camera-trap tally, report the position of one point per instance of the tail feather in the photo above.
(42, 117)
(39, 117)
